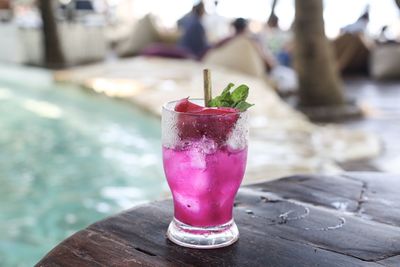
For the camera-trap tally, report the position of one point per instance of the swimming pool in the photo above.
(67, 159)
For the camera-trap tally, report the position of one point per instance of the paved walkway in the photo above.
(381, 103)
(283, 141)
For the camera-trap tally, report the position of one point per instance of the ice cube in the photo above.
(197, 159)
(207, 146)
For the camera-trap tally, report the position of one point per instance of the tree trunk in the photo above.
(319, 82)
(53, 56)
(273, 6)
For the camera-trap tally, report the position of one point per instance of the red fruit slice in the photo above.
(184, 105)
(217, 111)
(193, 125)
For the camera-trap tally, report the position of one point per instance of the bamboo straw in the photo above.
(207, 86)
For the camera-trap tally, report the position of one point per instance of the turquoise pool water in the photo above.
(67, 159)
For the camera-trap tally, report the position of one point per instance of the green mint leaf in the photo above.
(223, 100)
(226, 98)
(216, 102)
(213, 102)
(227, 90)
(243, 105)
(240, 93)
(236, 99)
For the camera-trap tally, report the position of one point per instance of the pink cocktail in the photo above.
(204, 158)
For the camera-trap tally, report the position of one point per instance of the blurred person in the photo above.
(273, 21)
(239, 26)
(194, 38)
(183, 21)
(280, 77)
(385, 36)
(276, 40)
(240, 29)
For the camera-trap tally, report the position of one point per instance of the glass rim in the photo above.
(166, 108)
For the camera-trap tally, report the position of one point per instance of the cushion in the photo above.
(143, 34)
(352, 53)
(238, 54)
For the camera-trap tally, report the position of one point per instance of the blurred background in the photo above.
(82, 84)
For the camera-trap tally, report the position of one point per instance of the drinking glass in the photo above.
(204, 157)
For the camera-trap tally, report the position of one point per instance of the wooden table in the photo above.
(346, 220)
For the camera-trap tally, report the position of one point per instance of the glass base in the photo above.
(203, 237)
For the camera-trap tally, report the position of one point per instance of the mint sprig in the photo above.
(235, 99)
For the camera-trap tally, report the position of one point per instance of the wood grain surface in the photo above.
(310, 220)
